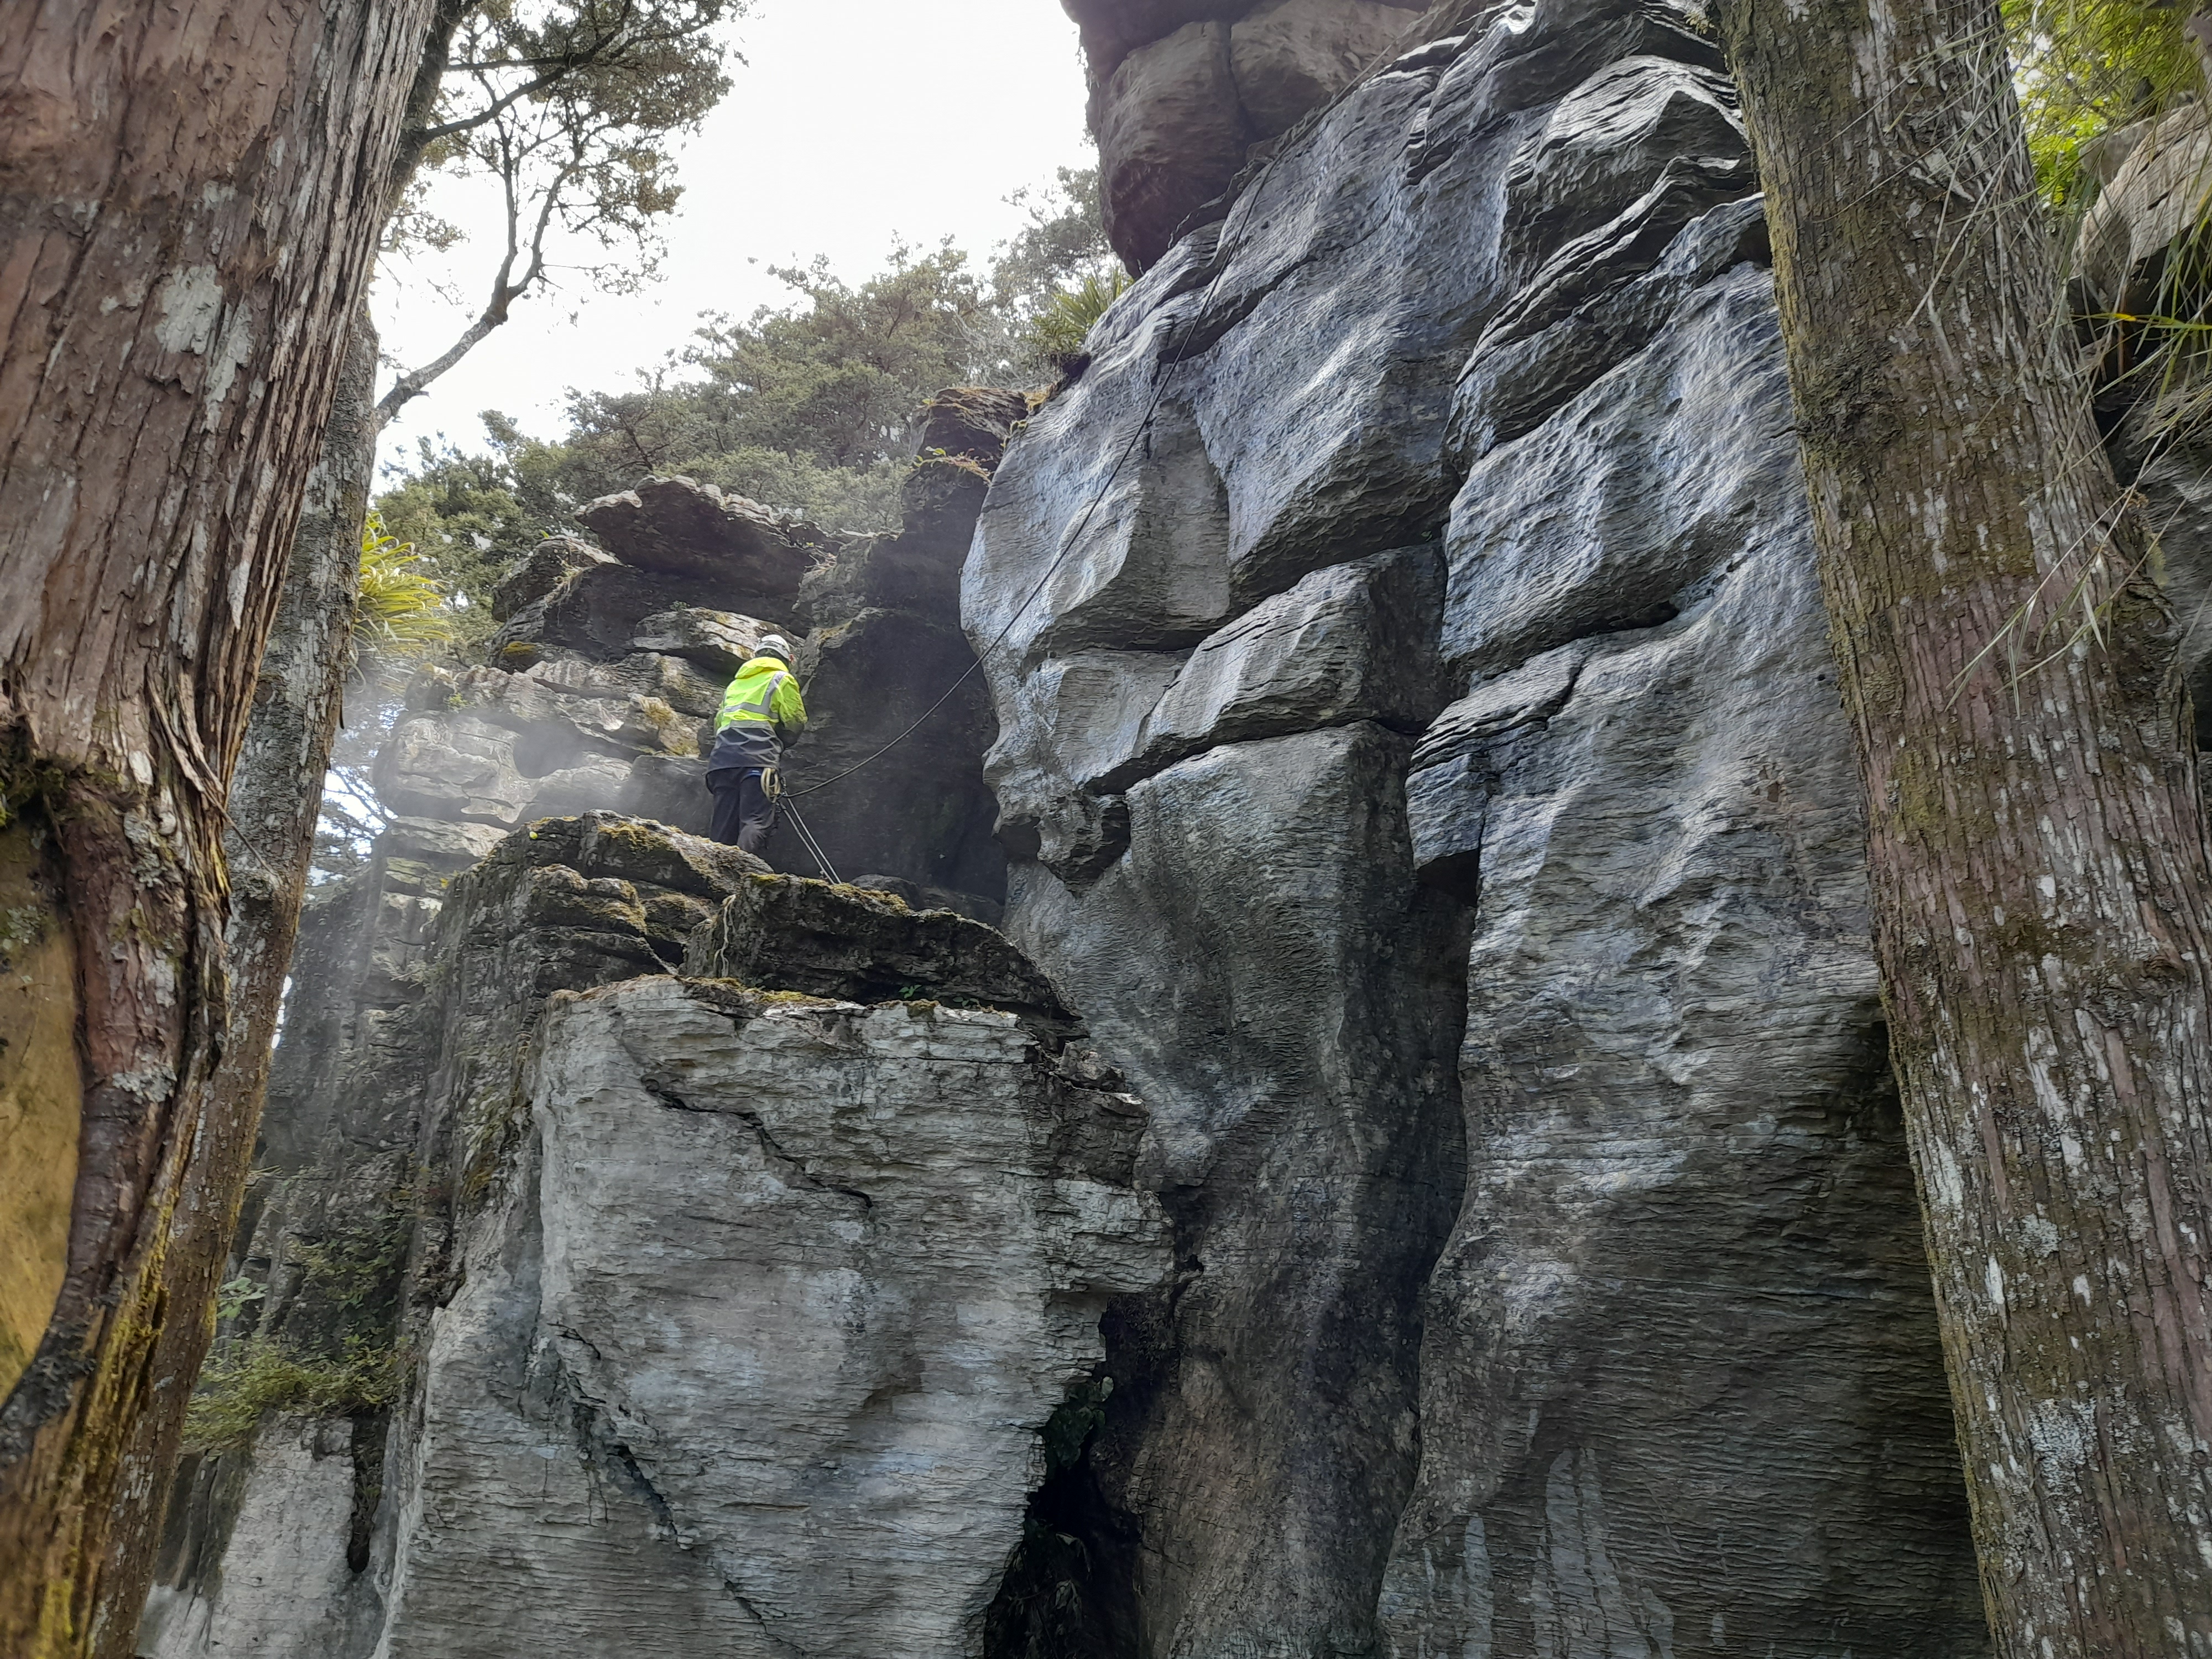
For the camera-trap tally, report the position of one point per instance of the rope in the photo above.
(1223, 251)
(812, 846)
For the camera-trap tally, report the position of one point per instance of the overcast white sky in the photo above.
(853, 123)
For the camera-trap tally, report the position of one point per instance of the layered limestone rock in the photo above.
(398, 1109)
(755, 1338)
(1425, 779)
(723, 1308)
(892, 766)
(1182, 90)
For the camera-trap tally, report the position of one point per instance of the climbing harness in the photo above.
(1224, 249)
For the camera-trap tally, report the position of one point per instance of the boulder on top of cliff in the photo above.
(679, 527)
(1112, 29)
(1290, 57)
(844, 942)
(541, 570)
(975, 421)
(1182, 90)
(1170, 138)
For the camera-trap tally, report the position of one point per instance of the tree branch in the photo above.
(504, 291)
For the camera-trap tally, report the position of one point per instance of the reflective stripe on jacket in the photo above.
(761, 711)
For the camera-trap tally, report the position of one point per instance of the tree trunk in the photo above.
(276, 799)
(190, 196)
(2037, 856)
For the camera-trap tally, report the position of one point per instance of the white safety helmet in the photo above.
(774, 645)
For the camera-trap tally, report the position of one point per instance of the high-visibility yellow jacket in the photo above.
(761, 711)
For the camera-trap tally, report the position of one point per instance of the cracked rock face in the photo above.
(738, 1316)
(1424, 779)
(754, 1346)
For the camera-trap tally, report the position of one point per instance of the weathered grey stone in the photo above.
(1640, 805)
(1354, 643)
(1094, 705)
(456, 766)
(1171, 138)
(1576, 321)
(599, 784)
(852, 943)
(916, 897)
(1592, 524)
(679, 527)
(972, 420)
(1180, 88)
(682, 685)
(1675, 1060)
(1113, 29)
(939, 499)
(754, 1351)
(1291, 57)
(284, 1589)
(540, 571)
(1608, 142)
(438, 844)
(917, 806)
(718, 641)
(553, 726)
(1261, 956)
(671, 790)
(598, 610)
(2157, 193)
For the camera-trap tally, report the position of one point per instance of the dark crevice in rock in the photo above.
(1069, 1589)
(370, 1435)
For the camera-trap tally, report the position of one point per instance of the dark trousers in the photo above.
(743, 812)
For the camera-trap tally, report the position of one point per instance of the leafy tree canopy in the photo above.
(805, 406)
(566, 111)
(2086, 70)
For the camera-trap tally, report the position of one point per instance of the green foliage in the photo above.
(802, 406)
(1073, 1421)
(400, 612)
(358, 1265)
(238, 1389)
(234, 1295)
(1063, 245)
(462, 516)
(2087, 68)
(1057, 331)
(566, 111)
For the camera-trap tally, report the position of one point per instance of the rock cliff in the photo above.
(518, 1242)
(1418, 1173)
(1425, 778)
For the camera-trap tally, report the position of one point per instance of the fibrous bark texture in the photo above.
(275, 797)
(2039, 864)
(190, 197)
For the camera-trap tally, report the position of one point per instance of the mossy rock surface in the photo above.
(786, 933)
